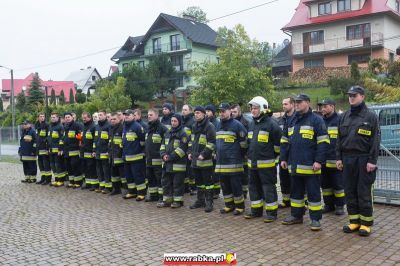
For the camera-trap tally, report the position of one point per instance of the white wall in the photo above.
(392, 28)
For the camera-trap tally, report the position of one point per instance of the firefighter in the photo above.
(121, 118)
(55, 135)
(154, 137)
(42, 129)
(138, 118)
(357, 154)
(188, 121)
(230, 148)
(200, 151)
(236, 113)
(88, 160)
(100, 146)
(303, 151)
(70, 150)
(173, 153)
(133, 139)
(27, 152)
(331, 178)
(116, 161)
(264, 146)
(284, 177)
(168, 111)
(210, 112)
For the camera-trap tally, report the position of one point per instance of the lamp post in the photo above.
(12, 100)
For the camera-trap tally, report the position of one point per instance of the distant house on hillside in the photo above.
(85, 79)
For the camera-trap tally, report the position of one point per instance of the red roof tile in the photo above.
(301, 16)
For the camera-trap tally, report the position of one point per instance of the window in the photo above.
(175, 45)
(314, 37)
(360, 31)
(141, 64)
(325, 8)
(359, 58)
(343, 5)
(310, 63)
(177, 62)
(93, 78)
(179, 81)
(156, 45)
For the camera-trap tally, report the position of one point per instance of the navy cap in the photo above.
(302, 97)
(327, 101)
(200, 109)
(169, 106)
(356, 89)
(211, 108)
(128, 112)
(224, 106)
(26, 122)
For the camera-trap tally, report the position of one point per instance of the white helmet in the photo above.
(260, 101)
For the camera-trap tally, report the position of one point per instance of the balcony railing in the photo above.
(167, 48)
(331, 45)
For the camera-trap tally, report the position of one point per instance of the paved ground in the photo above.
(44, 226)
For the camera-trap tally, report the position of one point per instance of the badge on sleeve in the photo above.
(242, 134)
(184, 139)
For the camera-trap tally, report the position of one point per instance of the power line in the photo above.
(244, 10)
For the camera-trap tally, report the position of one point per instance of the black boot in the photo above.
(42, 180)
(47, 181)
(209, 201)
(199, 203)
(116, 188)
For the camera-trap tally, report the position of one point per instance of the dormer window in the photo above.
(324, 8)
(343, 5)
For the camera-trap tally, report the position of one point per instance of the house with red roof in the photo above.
(335, 33)
(23, 85)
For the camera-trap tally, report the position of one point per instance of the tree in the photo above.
(235, 79)
(1, 105)
(20, 101)
(80, 97)
(71, 96)
(88, 95)
(162, 76)
(61, 99)
(355, 72)
(53, 97)
(110, 96)
(196, 12)
(137, 84)
(36, 94)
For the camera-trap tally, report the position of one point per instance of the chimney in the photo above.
(189, 17)
(89, 67)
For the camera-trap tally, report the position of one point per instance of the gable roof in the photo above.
(128, 49)
(81, 77)
(302, 17)
(23, 84)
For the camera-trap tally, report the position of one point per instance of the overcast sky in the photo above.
(40, 32)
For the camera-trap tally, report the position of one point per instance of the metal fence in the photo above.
(9, 141)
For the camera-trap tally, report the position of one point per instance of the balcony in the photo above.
(300, 50)
(167, 48)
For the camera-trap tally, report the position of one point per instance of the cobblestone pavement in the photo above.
(57, 226)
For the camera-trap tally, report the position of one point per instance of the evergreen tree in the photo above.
(88, 94)
(355, 72)
(80, 97)
(53, 97)
(1, 105)
(61, 99)
(36, 94)
(20, 102)
(71, 96)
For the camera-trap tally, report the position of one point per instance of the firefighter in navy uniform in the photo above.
(284, 176)
(133, 140)
(331, 178)
(42, 129)
(27, 152)
(188, 121)
(236, 113)
(155, 135)
(55, 135)
(116, 161)
(231, 146)
(71, 150)
(88, 160)
(264, 146)
(200, 152)
(100, 146)
(357, 152)
(210, 112)
(173, 153)
(168, 111)
(303, 151)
